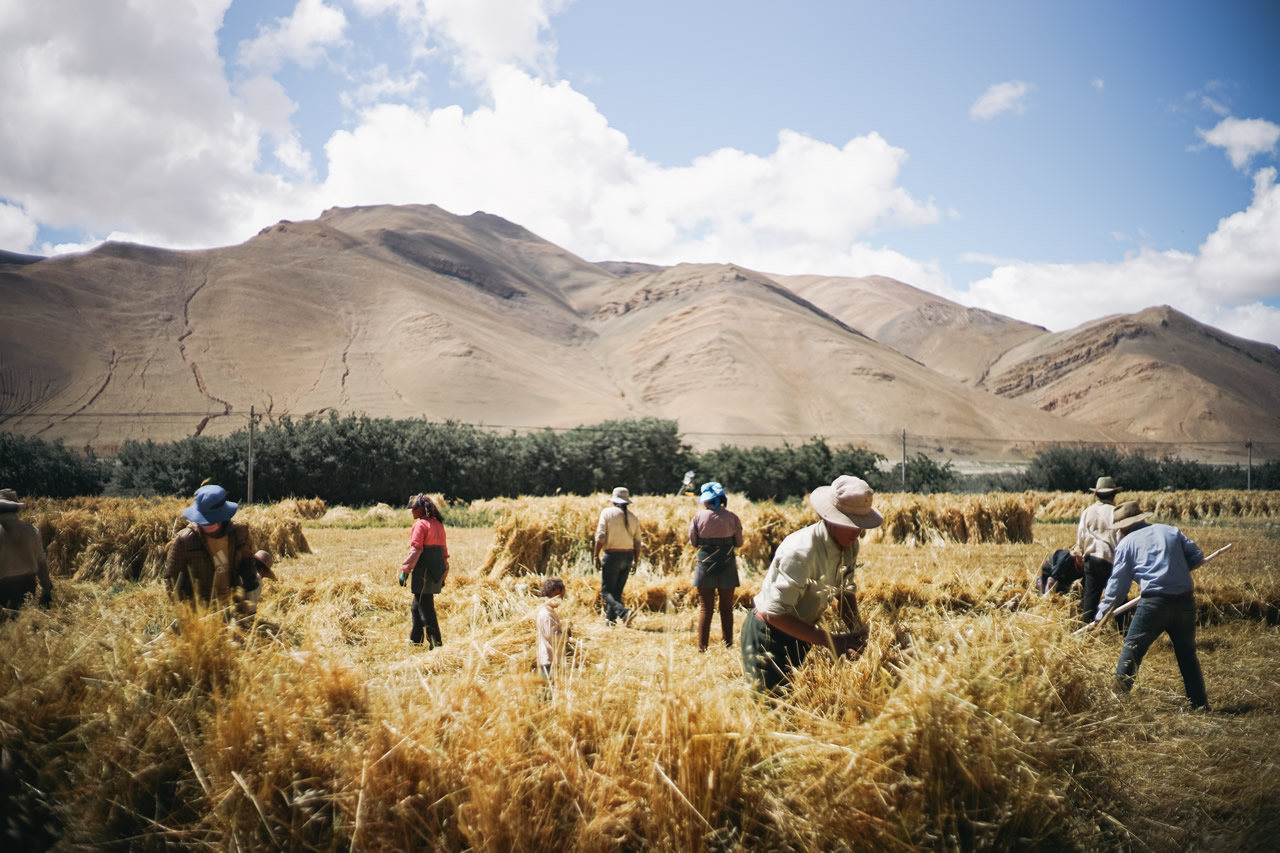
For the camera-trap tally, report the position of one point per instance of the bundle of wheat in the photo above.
(306, 508)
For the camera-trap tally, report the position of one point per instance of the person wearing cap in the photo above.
(1161, 558)
(262, 563)
(717, 532)
(22, 560)
(212, 554)
(615, 553)
(811, 567)
(427, 565)
(1096, 540)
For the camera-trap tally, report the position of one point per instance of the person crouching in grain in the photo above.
(551, 634)
(428, 566)
(262, 563)
(716, 531)
(22, 560)
(1160, 557)
(811, 567)
(211, 555)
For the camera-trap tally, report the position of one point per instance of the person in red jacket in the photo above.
(427, 565)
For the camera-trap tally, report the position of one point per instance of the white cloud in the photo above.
(543, 156)
(118, 116)
(1243, 138)
(381, 85)
(478, 35)
(1001, 97)
(17, 230)
(302, 38)
(1098, 83)
(1225, 284)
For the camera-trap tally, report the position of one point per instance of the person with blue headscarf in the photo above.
(717, 533)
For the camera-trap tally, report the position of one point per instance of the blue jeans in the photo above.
(1176, 617)
(614, 568)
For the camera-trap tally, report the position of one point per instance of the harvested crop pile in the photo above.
(117, 539)
(1169, 507)
(545, 534)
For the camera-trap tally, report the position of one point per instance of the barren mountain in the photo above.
(412, 311)
(1158, 374)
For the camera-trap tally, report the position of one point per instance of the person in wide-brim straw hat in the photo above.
(22, 558)
(1160, 558)
(1096, 540)
(811, 568)
(615, 552)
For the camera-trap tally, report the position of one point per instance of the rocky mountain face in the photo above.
(409, 311)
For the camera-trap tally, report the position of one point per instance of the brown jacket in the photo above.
(21, 551)
(189, 568)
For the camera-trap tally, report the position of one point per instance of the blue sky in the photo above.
(1051, 161)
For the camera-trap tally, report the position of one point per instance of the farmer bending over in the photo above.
(21, 557)
(211, 555)
(1161, 558)
(811, 567)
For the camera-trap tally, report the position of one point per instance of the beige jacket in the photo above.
(617, 532)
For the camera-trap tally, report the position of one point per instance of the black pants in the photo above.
(768, 655)
(14, 590)
(614, 569)
(423, 610)
(707, 598)
(1096, 574)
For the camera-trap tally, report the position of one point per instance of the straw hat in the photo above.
(265, 558)
(621, 496)
(9, 501)
(847, 502)
(1127, 515)
(1106, 486)
(211, 506)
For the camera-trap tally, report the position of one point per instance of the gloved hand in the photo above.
(404, 576)
(46, 599)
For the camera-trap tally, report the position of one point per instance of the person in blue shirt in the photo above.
(1160, 558)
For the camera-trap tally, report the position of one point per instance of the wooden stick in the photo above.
(1133, 602)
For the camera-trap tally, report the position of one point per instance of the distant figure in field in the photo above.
(428, 566)
(212, 555)
(22, 560)
(717, 532)
(1096, 540)
(262, 566)
(811, 567)
(1160, 557)
(1064, 567)
(618, 538)
(551, 634)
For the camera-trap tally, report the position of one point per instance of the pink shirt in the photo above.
(425, 532)
(716, 523)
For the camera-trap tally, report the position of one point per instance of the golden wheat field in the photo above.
(975, 719)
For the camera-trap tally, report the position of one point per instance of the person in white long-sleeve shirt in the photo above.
(1096, 540)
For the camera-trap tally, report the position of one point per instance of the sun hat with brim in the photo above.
(621, 496)
(9, 501)
(265, 558)
(1106, 486)
(847, 502)
(1127, 515)
(211, 506)
(709, 492)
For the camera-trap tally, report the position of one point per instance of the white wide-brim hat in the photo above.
(847, 502)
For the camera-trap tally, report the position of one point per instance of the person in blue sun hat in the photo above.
(212, 554)
(716, 531)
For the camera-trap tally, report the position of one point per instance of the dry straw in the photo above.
(118, 539)
(548, 534)
(1177, 507)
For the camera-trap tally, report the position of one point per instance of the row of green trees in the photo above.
(358, 460)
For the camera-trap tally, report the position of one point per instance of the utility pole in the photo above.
(904, 460)
(1248, 477)
(252, 419)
